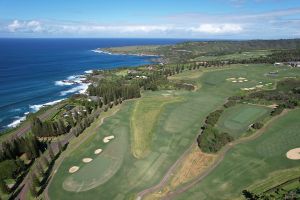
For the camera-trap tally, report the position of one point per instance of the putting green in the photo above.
(236, 120)
(250, 163)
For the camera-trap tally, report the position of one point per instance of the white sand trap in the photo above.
(108, 138)
(234, 81)
(73, 169)
(87, 160)
(273, 106)
(97, 151)
(293, 154)
(241, 78)
(240, 81)
(260, 86)
(245, 80)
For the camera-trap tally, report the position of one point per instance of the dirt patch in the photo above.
(73, 169)
(293, 154)
(194, 164)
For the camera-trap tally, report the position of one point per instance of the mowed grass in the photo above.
(144, 116)
(236, 120)
(174, 130)
(236, 56)
(250, 163)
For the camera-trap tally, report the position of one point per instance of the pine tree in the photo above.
(45, 161)
(34, 179)
(39, 168)
(59, 145)
(33, 190)
(51, 153)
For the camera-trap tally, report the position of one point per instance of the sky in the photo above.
(211, 19)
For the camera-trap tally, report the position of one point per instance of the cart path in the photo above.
(220, 158)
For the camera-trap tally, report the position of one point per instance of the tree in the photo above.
(3, 187)
(249, 195)
(257, 125)
(59, 145)
(33, 189)
(44, 161)
(51, 153)
(39, 168)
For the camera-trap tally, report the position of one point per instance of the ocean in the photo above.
(32, 70)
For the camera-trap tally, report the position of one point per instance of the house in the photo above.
(294, 63)
(278, 64)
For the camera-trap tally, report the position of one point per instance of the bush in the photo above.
(257, 125)
(210, 140)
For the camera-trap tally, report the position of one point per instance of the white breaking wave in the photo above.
(88, 71)
(100, 51)
(62, 83)
(35, 108)
(79, 89)
(16, 122)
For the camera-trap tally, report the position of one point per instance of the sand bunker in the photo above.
(87, 160)
(108, 138)
(73, 169)
(237, 80)
(97, 151)
(247, 89)
(293, 154)
(260, 86)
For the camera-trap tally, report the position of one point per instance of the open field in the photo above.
(172, 132)
(235, 56)
(236, 120)
(144, 117)
(145, 49)
(247, 164)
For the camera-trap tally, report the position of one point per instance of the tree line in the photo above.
(211, 139)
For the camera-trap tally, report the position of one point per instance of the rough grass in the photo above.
(248, 163)
(236, 120)
(144, 117)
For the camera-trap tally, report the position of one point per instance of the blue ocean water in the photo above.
(31, 70)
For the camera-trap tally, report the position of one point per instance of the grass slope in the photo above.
(248, 163)
(144, 117)
(236, 120)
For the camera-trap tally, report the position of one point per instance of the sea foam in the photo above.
(35, 108)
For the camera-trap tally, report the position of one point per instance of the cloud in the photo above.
(94, 28)
(24, 26)
(217, 28)
(14, 26)
(282, 23)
